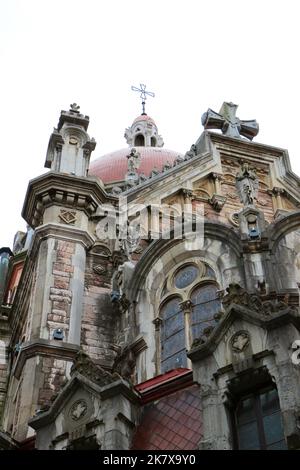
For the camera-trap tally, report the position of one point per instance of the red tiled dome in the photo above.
(112, 167)
(144, 117)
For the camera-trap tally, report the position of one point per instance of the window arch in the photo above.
(188, 311)
(139, 140)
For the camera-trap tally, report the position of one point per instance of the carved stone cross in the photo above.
(229, 124)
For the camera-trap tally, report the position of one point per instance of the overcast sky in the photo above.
(193, 54)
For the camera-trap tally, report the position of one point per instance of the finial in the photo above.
(143, 95)
(74, 108)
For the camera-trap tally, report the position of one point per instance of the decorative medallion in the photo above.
(78, 410)
(99, 269)
(68, 217)
(240, 341)
(231, 195)
(234, 218)
(73, 140)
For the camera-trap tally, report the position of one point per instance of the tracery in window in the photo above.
(185, 276)
(188, 311)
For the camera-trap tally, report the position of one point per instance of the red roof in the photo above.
(112, 167)
(144, 117)
(172, 423)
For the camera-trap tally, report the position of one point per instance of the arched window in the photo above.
(190, 303)
(139, 140)
(153, 141)
(206, 304)
(258, 422)
(173, 353)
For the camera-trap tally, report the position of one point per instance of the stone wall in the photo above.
(100, 319)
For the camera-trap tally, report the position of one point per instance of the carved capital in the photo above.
(187, 193)
(278, 191)
(157, 323)
(217, 176)
(186, 306)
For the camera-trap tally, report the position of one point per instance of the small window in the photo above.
(139, 140)
(153, 142)
(258, 422)
(185, 276)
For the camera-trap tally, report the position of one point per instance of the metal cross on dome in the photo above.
(143, 94)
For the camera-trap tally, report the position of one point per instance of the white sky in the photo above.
(193, 54)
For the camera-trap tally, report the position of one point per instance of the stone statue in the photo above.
(191, 153)
(134, 160)
(131, 241)
(247, 184)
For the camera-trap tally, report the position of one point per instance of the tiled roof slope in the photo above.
(171, 423)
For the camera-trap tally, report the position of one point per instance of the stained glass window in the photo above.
(205, 305)
(173, 349)
(258, 421)
(185, 276)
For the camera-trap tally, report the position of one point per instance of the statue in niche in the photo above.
(247, 184)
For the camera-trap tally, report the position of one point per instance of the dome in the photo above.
(144, 117)
(144, 137)
(113, 166)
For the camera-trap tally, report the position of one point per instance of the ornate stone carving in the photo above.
(85, 366)
(240, 341)
(134, 160)
(125, 364)
(231, 195)
(191, 153)
(157, 323)
(217, 202)
(130, 240)
(166, 166)
(74, 108)
(186, 306)
(179, 159)
(78, 410)
(233, 217)
(116, 190)
(247, 184)
(68, 217)
(99, 269)
(238, 295)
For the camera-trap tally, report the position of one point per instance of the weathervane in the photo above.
(143, 94)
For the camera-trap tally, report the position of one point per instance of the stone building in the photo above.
(120, 330)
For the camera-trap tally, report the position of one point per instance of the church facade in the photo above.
(154, 301)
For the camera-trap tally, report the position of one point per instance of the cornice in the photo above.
(61, 189)
(118, 387)
(43, 347)
(274, 321)
(61, 232)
